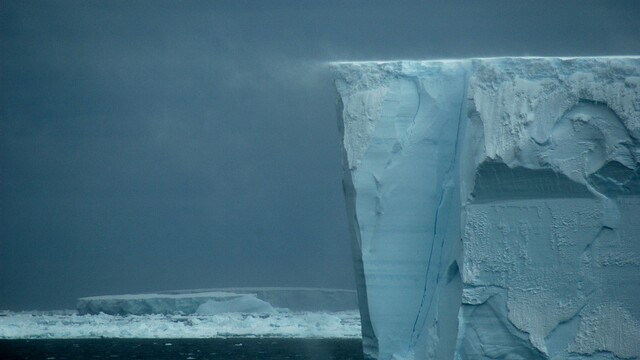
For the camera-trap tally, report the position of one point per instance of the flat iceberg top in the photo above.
(415, 67)
(149, 296)
(221, 292)
(497, 58)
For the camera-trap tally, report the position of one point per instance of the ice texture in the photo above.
(210, 301)
(493, 206)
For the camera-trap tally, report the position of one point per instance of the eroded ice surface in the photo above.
(494, 206)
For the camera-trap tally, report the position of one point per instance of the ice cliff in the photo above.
(494, 206)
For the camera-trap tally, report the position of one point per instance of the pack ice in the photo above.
(494, 206)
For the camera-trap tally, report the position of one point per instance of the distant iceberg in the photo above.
(247, 300)
(494, 206)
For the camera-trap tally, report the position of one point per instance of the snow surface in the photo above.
(493, 206)
(38, 325)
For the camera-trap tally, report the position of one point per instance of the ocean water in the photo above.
(183, 349)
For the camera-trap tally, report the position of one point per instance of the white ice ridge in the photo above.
(494, 206)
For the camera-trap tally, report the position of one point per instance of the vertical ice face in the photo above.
(401, 128)
(493, 206)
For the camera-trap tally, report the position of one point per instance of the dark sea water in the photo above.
(182, 349)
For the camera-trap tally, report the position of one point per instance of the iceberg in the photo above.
(493, 206)
(210, 301)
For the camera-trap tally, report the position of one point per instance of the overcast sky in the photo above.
(156, 145)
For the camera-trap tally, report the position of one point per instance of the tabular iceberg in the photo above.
(211, 301)
(494, 206)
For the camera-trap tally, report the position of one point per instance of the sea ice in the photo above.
(60, 325)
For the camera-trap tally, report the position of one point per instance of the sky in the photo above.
(162, 145)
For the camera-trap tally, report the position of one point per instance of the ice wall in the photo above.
(494, 206)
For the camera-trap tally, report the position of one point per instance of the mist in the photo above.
(157, 145)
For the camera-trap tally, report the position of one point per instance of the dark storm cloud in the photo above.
(162, 145)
